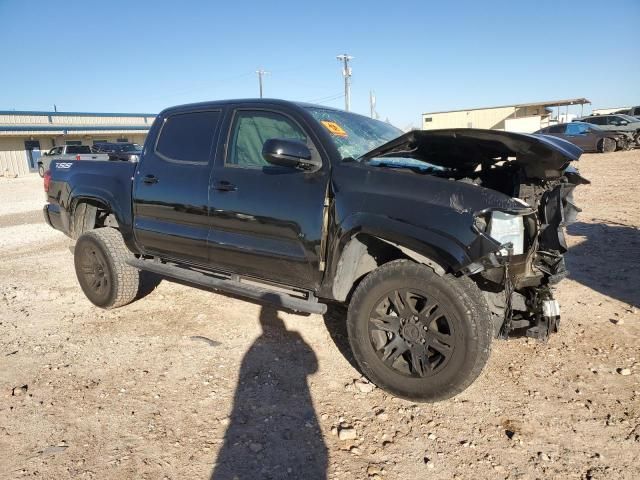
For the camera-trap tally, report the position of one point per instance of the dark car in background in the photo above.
(616, 123)
(126, 152)
(590, 138)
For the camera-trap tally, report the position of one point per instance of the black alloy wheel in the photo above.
(411, 333)
(93, 267)
(417, 334)
(100, 259)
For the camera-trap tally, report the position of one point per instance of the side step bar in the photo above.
(232, 285)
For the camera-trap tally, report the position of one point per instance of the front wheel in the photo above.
(418, 335)
(607, 145)
(41, 170)
(100, 261)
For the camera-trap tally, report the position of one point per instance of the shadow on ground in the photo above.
(608, 260)
(273, 430)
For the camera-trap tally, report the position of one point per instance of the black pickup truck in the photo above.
(438, 241)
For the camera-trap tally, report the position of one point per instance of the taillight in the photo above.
(78, 157)
(47, 180)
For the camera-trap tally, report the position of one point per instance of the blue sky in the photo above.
(139, 56)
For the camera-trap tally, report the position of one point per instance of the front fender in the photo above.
(445, 249)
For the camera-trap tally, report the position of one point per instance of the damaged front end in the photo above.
(520, 291)
(517, 256)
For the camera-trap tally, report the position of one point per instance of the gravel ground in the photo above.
(183, 381)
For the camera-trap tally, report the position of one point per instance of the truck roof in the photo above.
(266, 101)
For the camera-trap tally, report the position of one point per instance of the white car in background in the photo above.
(69, 153)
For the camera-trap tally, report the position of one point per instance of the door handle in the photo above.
(150, 179)
(225, 186)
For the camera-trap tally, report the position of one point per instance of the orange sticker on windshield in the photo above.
(334, 128)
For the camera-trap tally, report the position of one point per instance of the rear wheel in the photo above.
(607, 145)
(418, 335)
(100, 262)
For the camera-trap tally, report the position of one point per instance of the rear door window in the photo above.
(556, 129)
(188, 137)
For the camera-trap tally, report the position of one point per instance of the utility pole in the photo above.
(346, 73)
(261, 73)
(372, 103)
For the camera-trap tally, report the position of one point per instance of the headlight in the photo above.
(506, 228)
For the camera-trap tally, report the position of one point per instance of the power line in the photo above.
(328, 97)
(261, 73)
(346, 73)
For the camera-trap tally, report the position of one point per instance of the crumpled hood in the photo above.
(465, 148)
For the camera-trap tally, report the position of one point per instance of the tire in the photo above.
(460, 321)
(100, 261)
(638, 140)
(607, 145)
(41, 170)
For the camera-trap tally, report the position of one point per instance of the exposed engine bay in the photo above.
(518, 274)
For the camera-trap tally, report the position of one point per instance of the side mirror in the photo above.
(288, 153)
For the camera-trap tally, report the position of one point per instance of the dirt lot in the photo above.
(184, 381)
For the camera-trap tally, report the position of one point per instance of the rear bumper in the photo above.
(53, 217)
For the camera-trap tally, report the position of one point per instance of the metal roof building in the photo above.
(24, 135)
(522, 117)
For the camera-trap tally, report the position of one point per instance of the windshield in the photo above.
(629, 118)
(593, 127)
(352, 134)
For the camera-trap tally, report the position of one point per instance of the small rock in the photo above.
(364, 387)
(17, 391)
(431, 436)
(255, 447)
(465, 443)
(499, 468)
(544, 457)
(225, 422)
(347, 433)
(617, 321)
(334, 431)
(624, 371)
(373, 470)
(355, 450)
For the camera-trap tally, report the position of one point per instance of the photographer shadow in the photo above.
(273, 431)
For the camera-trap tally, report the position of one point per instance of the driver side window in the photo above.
(249, 132)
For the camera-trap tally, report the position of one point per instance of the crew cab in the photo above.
(68, 153)
(436, 241)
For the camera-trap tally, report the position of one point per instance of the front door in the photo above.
(171, 187)
(32, 147)
(266, 221)
(578, 134)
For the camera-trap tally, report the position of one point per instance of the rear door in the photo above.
(171, 186)
(266, 220)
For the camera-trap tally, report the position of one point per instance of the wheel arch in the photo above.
(364, 252)
(110, 211)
